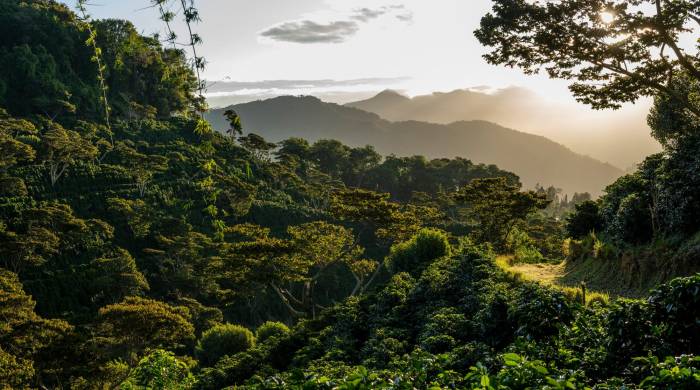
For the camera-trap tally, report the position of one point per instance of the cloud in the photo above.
(405, 17)
(335, 31)
(308, 31)
(367, 14)
(232, 86)
(226, 92)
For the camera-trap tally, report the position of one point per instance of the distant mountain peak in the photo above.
(387, 98)
(391, 93)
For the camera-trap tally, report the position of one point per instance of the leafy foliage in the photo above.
(221, 340)
(128, 248)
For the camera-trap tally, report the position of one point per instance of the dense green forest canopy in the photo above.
(142, 250)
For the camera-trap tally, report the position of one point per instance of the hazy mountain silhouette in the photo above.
(621, 137)
(535, 159)
(448, 107)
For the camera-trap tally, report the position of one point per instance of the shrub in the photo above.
(415, 255)
(222, 340)
(680, 373)
(160, 370)
(539, 312)
(270, 329)
(675, 305)
(528, 255)
(230, 370)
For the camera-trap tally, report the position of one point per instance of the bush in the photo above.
(222, 340)
(528, 255)
(676, 305)
(160, 370)
(230, 370)
(679, 373)
(415, 255)
(539, 312)
(270, 329)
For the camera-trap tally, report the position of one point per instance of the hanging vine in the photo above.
(167, 17)
(191, 16)
(96, 58)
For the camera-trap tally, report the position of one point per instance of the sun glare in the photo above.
(607, 17)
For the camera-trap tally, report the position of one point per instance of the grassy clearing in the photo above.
(553, 276)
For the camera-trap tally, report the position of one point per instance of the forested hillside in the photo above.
(141, 249)
(535, 159)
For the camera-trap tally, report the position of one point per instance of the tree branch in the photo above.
(661, 88)
(695, 18)
(682, 58)
(371, 279)
(284, 300)
(358, 284)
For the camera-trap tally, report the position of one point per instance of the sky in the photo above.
(345, 50)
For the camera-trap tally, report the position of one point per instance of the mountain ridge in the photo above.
(536, 159)
(620, 138)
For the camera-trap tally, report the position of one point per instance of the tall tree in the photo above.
(63, 148)
(496, 206)
(135, 324)
(317, 247)
(613, 51)
(142, 166)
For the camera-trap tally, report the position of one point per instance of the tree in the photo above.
(136, 214)
(185, 265)
(115, 276)
(496, 206)
(386, 221)
(97, 59)
(317, 246)
(668, 119)
(144, 79)
(257, 146)
(294, 152)
(136, 324)
(296, 147)
(23, 333)
(34, 83)
(373, 210)
(12, 149)
(614, 52)
(234, 121)
(63, 148)
(142, 166)
(360, 162)
(585, 219)
(203, 317)
(21, 250)
(331, 156)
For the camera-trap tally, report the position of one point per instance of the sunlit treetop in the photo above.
(613, 51)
